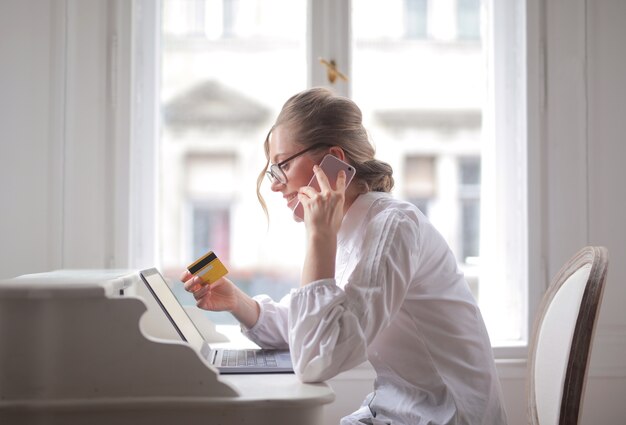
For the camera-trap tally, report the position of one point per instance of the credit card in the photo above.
(208, 267)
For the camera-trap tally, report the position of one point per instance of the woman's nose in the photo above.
(276, 185)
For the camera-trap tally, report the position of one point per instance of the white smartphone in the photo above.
(331, 166)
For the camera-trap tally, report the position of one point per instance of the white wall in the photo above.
(64, 155)
(30, 178)
(585, 150)
(62, 136)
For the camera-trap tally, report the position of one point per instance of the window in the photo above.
(422, 104)
(469, 199)
(228, 67)
(210, 230)
(415, 18)
(468, 19)
(419, 177)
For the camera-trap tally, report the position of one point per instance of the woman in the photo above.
(379, 283)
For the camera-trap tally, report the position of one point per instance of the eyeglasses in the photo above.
(276, 173)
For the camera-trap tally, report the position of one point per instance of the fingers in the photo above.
(307, 194)
(322, 179)
(199, 293)
(327, 200)
(185, 276)
(341, 181)
(198, 289)
(193, 284)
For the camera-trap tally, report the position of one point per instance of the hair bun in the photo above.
(378, 175)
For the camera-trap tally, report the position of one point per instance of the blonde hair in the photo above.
(317, 116)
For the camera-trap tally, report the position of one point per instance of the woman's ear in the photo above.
(338, 152)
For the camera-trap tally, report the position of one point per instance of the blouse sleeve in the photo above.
(330, 328)
(270, 330)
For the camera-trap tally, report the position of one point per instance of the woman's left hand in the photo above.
(323, 213)
(323, 210)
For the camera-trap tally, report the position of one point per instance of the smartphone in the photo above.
(331, 166)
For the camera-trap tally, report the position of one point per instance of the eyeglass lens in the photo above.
(276, 174)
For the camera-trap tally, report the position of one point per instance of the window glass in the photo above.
(227, 66)
(419, 178)
(415, 18)
(210, 227)
(469, 199)
(422, 111)
(468, 19)
(423, 106)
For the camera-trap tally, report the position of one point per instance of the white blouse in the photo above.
(399, 301)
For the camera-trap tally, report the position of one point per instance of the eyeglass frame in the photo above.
(274, 169)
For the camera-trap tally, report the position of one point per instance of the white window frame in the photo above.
(144, 104)
(518, 88)
(507, 119)
(331, 42)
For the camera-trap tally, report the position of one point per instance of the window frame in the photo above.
(516, 39)
(518, 70)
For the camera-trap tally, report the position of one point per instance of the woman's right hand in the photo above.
(218, 296)
(223, 295)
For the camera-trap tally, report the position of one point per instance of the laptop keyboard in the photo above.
(248, 358)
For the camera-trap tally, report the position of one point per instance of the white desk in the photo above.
(73, 352)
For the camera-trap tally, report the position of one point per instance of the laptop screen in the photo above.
(172, 308)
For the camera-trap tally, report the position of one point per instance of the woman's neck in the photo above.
(352, 192)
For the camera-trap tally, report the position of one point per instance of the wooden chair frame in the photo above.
(578, 359)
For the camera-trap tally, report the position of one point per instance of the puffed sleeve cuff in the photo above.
(270, 330)
(325, 336)
(315, 286)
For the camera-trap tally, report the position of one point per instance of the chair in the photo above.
(561, 339)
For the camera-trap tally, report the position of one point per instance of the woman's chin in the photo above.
(297, 219)
(292, 203)
(292, 207)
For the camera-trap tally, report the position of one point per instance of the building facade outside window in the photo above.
(418, 73)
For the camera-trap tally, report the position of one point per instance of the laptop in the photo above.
(226, 360)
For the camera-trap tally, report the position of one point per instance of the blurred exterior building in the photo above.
(417, 72)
